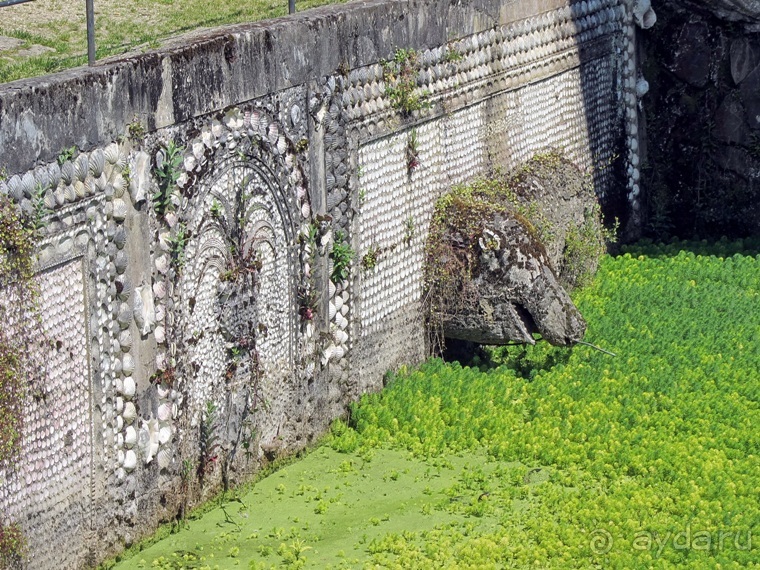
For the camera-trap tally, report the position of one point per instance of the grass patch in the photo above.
(121, 27)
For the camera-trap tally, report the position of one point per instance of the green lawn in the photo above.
(121, 26)
(558, 458)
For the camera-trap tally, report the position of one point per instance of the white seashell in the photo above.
(119, 184)
(164, 458)
(338, 302)
(70, 193)
(54, 174)
(332, 310)
(301, 192)
(282, 145)
(305, 210)
(120, 455)
(338, 353)
(128, 367)
(327, 354)
(341, 336)
(119, 405)
(162, 264)
(164, 435)
(171, 219)
(159, 289)
(130, 461)
(165, 412)
(130, 412)
(49, 200)
(162, 361)
(128, 389)
(331, 289)
(97, 162)
(162, 392)
(28, 185)
(67, 172)
(130, 437)
(81, 167)
(119, 210)
(119, 423)
(189, 163)
(199, 150)
(111, 153)
(125, 340)
(217, 129)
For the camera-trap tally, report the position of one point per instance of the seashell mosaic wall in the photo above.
(224, 312)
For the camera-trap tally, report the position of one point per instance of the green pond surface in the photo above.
(643, 456)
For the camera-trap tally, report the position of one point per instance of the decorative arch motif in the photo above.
(240, 265)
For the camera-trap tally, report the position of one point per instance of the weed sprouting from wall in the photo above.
(400, 77)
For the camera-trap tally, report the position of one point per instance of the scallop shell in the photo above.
(160, 335)
(164, 435)
(305, 210)
(119, 210)
(331, 288)
(125, 340)
(111, 153)
(118, 182)
(80, 190)
(97, 162)
(282, 145)
(70, 194)
(28, 185)
(165, 412)
(130, 437)
(81, 167)
(120, 237)
(162, 264)
(164, 458)
(332, 310)
(49, 200)
(339, 352)
(130, 461)
(129, 387)
(341, 337)
(159, 289)
(128, 367)
(121, 262)
(54, 173)
(327, 355)
(67, 172)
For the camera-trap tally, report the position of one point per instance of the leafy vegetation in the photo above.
(400, 77)
(341, 254)
(555, 458)
(167, 172)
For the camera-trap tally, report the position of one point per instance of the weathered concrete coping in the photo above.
(202, 72)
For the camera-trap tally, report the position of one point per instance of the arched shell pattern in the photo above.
(220, 169)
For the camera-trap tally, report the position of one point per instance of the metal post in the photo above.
(90, 32)
(291, 6)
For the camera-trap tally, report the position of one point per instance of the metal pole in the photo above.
(291, 6)
(90, 32)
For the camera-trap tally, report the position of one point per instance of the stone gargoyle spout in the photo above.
(513, 292)
(503, 252)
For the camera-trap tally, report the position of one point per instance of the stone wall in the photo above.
(702, 62)
(196, 336)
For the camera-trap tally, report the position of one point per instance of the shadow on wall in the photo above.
(703, 121)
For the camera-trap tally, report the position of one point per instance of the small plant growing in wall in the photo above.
(178, 242)
(135, 130)
(67, 154)
(369, 261)
(410, 229)
(412, 152)
(12, 545)
(400, 77)
(342, 255)
(167, 172)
